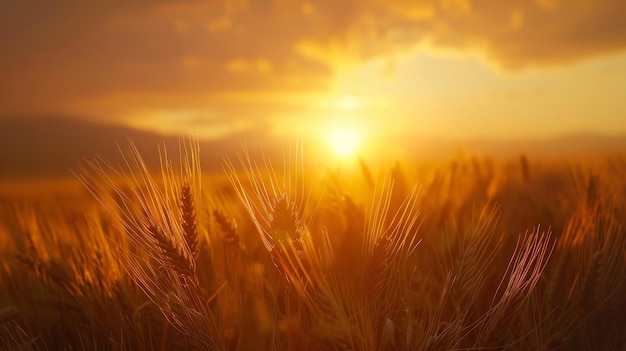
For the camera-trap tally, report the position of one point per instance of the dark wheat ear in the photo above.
(275, 202)
(589, 283)
(49, 272)
(227, 226)
(7, 314)
(232, 247)
(184, 266)
(188, 220)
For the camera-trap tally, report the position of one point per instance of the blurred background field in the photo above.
(514, 253)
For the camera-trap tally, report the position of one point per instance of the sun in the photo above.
(344, 142)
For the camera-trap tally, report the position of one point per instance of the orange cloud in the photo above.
(536, 33)
(57, 53)
(513, 34)
(259, 65)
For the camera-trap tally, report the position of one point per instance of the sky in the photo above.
(441, 68)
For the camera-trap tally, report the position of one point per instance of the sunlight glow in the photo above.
(348, 103)
(344, 142)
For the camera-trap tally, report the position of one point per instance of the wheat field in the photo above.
(469, 254)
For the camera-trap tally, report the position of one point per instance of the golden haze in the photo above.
(445, 68)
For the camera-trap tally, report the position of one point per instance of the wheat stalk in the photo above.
(163, 238)
(275, 205)
(7, 314)
(526, 266)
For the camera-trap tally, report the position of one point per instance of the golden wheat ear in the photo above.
(526, 267)
(188, 220)
(276, 202)
(159, 218)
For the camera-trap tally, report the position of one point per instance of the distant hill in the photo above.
(576, 144)
(53, 145)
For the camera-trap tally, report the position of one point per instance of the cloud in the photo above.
(536, 33)
(68, 52)
(512, 34)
